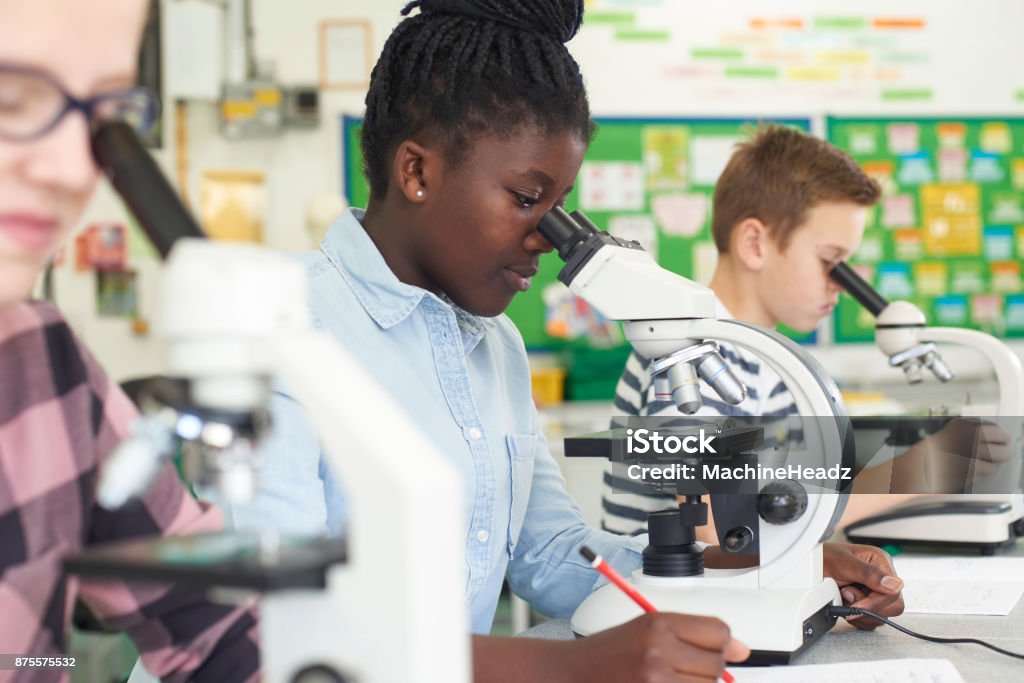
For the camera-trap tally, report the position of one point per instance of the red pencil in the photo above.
(598, 563)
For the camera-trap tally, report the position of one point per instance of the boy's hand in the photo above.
(656, 647)
(866, 579)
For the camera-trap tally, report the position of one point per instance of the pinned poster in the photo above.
(986, 309)
(985, 168)
(915, 169)
(681, 215)
(102, 247)
(904, 138)
(951, 310)
(117, 294)
(708, 156)
(931, 279)
(665, 157)
(967, 277)
(908, 244)
(1017, 173)
(952, 165)
(951, 220)
(1004, 207)
(999, 243)
(898, 211)
(951, 134)
(996, 138)
(1015, 312)
(1006, 277)
(894, 281)
(611, 186)
(863, 139)
(638, 228)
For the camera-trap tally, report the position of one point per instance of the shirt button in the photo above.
(482, 535)
(475, 433)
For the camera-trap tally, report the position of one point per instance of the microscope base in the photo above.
(979, 522)
(776, 623)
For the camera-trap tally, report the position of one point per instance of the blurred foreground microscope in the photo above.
(780, 606)
(368, 608)
(985, 521)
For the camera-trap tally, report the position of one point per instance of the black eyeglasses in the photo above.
(32, 103)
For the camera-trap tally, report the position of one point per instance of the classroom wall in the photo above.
(640, 58)
(298, 165)
(835, 56)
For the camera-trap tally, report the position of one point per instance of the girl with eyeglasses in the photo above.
(64, 66)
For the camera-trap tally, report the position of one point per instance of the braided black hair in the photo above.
(461, 68)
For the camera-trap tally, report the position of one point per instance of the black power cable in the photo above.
(850, 611)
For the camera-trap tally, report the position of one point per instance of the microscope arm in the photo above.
(664, 313)
(817, 398)
(405, 502)
(1005, 363)
(619, 278)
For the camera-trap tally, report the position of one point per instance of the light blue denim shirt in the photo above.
(465, 381)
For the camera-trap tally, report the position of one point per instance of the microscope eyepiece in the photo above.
(563, 230)
(858, 288)
(140, 182)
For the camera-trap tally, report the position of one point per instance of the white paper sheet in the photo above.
(1001, 569)
(961, 585)
(954, 597)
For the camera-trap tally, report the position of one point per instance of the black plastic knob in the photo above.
(782, 502)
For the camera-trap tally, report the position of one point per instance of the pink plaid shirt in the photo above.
(60, 417)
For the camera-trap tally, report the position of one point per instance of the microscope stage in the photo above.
(223, 560)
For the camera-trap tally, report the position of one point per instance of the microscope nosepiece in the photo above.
(714, 370)
(935, 363)
(685, 388)
(912, 371)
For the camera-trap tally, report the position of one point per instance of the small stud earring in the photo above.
(419, 194)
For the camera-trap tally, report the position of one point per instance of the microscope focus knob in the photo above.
(737, 539)
(319, 673)
(782, 502)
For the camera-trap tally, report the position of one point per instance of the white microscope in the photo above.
(979, 520)
(781, 606)
(372, 607)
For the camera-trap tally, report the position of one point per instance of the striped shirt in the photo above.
(625, 503)
(60, 417)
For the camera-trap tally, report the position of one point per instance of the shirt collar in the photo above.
(721, 312)
(385, 298)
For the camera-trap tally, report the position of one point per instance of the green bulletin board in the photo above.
(948, 233)
(648, 179)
